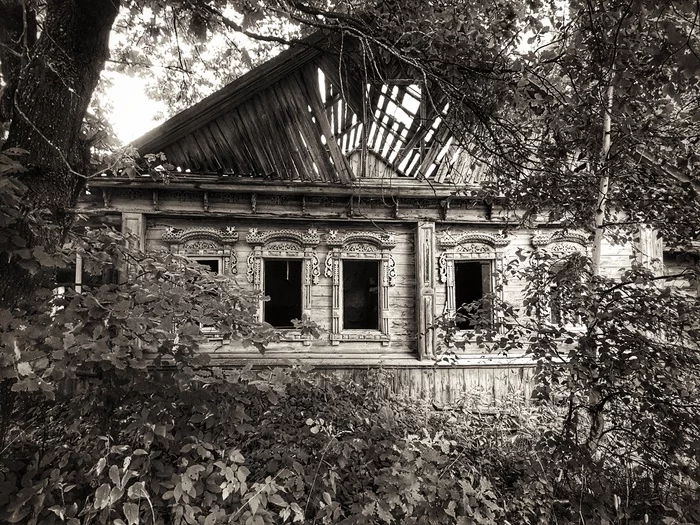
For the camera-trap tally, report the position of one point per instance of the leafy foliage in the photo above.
(619, 360)
(244, 446)
(109, 415)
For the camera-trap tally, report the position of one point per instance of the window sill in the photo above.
(211, 334)
(285, 336)
(289, 335)
(360, 336)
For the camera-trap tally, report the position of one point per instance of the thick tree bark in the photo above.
(51, 93)
(17, 39)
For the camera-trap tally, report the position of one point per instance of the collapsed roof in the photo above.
(320, 111)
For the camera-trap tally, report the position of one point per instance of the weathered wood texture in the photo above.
(390, 200)
(306, 119)
(406, 322)
(418, 277)
(401, 295)
(471, 387)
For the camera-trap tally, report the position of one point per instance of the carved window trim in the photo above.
(285, 244)
(205, 243)
(360, 246)
(562, 243)
(469, 246)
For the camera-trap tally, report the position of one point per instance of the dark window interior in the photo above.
(472, 282)
(212, 264)
(283, 285)
(65, 277)
(555, 294)
(361, 294)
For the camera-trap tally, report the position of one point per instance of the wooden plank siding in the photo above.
(401, 296)
(290, 146)
(475, 375)
(233, 95)
(275, 122)
(272, 135)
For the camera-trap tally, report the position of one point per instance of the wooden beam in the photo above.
(296, 118)
(309, 130)
(341, 163)
(351, 91)
(232, 95)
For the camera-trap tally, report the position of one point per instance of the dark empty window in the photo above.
(361, 294)
(212, 264)
(66, 278)
(556, 271)
(564, 294)
(472, 283)
(283, 285)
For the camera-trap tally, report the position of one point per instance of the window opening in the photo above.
(282, 283)
(472, 284)
(212, 264)
(564, 294)
(556, 310)
(76, 276)
(361, 295)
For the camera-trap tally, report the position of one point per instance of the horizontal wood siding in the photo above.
(401, 295)
(487, 379)
(615, 257)
(471, 387)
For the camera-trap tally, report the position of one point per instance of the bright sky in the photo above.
(133, 113)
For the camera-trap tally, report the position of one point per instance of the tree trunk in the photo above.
(50, 97)
(604, 183)
(18, 32)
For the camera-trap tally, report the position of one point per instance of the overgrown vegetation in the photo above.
(115, 418)
(108, 415)
(618, 362)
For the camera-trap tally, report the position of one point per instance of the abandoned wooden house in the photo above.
(336, 198)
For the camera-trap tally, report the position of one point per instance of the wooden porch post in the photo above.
(133, 224)
(425, 288)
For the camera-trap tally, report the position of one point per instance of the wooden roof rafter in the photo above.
(309, 115)
(339, 160)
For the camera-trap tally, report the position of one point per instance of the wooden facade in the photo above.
(309, 160)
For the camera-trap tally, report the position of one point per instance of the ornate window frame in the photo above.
(205, 243)
(468, 246)
(364, 246)
(562, 243)
(285, 244)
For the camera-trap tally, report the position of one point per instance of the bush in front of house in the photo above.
(109, 415)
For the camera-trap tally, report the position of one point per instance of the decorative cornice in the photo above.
(221, 236)
(309, 238)
(383, 241)
(541, 239)
(447, 240)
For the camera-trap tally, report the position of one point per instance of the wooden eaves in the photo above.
(233, 94)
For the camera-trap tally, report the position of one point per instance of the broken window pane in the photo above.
(361, 294)
(472, 283)
(283, 285)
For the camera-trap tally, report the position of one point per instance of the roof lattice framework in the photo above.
(316, 115)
